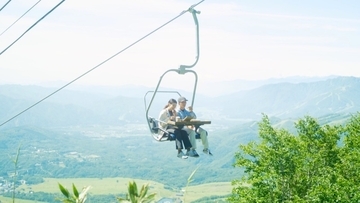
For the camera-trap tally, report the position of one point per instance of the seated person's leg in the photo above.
(179, 143)
(204, 139)
(185, 139)
(178, 138)
(192, 137)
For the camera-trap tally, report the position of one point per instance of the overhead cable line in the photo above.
(20, 17)
(32, 26)
(4, 5)
(108, 59)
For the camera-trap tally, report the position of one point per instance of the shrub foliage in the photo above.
(319, 164)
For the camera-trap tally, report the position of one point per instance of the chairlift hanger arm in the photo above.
(183, 67)
(158, 85)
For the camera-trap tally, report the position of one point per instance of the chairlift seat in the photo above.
(155, 129)
(197, 136)
(166, 136)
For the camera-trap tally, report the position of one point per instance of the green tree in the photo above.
(349, 181)
(312, 166)
(134, 196)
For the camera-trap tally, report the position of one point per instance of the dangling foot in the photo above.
(192, 153)
(182, 155)
(207, 151)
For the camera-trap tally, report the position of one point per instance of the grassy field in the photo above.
(8, 200)
(210, 189)
(119, 185)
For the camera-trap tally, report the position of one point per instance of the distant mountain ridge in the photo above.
(229, 87)
(285, 100)
(83, 107)
(207, 88)
(112, 126)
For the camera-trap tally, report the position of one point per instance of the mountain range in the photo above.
(102, 131)
(114, 106)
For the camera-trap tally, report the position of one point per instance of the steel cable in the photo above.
(32, 27)
(20, 17)
(5, 5)
(108, 59)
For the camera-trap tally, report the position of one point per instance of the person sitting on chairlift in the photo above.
(182, 113)
(181, 137)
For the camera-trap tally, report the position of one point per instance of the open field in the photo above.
(8, 200)
(209, 189)
(119, 185)
(98, 186)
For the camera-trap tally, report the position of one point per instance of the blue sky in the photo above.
(250, 40)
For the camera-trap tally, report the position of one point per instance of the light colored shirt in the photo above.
(183, 113)
(164, 116)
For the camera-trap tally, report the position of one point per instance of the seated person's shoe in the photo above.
(182, 155)
(192, 153)
(207, 151)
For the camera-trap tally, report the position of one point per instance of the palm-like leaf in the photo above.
(75, 191)
(143, 191)
(64, 191)
(189, 180)
(132, 191)
(192, 174)
(134, 196)
(76, 197)
(83, 195)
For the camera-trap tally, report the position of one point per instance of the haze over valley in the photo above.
(99, 132)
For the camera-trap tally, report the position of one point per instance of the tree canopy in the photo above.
(318, 164)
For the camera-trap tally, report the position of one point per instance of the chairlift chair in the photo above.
(152, 122)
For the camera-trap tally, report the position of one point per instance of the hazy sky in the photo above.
(238, 40)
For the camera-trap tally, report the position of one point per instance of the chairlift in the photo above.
(153, 123)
